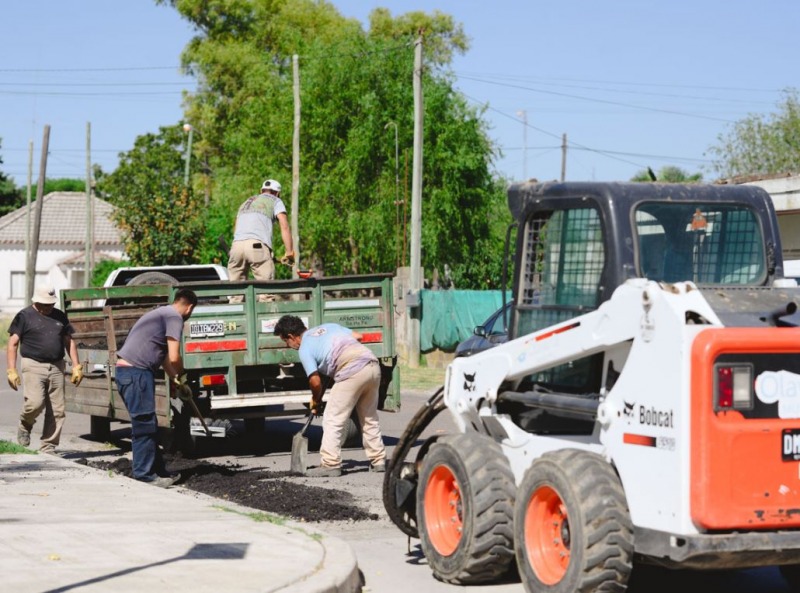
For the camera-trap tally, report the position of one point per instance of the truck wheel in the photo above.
(465, 502)
(100, 428)
(572, 528)
(153, 278)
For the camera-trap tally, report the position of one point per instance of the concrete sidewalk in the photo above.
(68, 527)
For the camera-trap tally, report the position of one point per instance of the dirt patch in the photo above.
(272, 492)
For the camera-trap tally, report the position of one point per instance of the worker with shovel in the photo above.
(154, 341)
(335, 351)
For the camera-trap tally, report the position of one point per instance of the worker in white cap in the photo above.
(42, 334)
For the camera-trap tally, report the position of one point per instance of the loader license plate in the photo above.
(790, 444)
(202, 329)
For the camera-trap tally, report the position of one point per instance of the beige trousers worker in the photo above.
(360, 392)
(250, 254)
(43, 386)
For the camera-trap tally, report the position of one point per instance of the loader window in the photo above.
(563, 259)
(562, 266)
(704, 243)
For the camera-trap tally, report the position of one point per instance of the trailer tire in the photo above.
(100, 428)
(153, 278)
(465, 503)
(352, 432)
(572, 527)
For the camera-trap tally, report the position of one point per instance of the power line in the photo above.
(596, 100)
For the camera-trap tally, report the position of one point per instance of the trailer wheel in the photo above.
(146, 278)
(465, 502)
(100, 428)
(572, 527)
(352, 432)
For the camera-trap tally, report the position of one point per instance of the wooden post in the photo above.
(37, 219)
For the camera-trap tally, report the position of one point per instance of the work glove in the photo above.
(315, 407)
(77, 375)
(13, 378)
(288, 259)
(180, 389)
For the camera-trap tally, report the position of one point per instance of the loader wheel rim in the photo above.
(443, 510)
(547, 535)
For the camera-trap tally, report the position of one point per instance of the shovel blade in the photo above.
(299, 454)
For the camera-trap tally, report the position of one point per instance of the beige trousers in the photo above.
(43, 389)
(245, 256)
(360, 392)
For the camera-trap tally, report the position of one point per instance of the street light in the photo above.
(396, 181)
(187, 128)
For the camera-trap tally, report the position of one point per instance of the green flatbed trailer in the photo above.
(236, 367)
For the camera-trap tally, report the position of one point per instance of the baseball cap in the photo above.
(45, 295)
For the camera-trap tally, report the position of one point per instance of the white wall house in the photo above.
(785, 192)
(60, 259)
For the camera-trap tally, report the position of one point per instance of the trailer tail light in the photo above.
(371, 337)
(733, 387)
(211, 380)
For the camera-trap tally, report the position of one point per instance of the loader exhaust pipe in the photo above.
(786, 310)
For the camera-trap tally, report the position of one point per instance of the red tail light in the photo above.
(209, 380)
(733, 387)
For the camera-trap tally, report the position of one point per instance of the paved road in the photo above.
(389, 561)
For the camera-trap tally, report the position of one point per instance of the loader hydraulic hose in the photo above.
(400, 480)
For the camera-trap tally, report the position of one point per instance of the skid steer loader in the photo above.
(646, 408)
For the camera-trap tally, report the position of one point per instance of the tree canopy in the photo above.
(668, 174)
(11, 198)
(159, 217)
(356, 92)
(762, 144)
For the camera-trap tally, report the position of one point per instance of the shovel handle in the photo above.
(307, 424)
(199, 415)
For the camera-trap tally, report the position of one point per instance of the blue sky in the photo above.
(632, 83)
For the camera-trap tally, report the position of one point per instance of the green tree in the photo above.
(353, 84)
(669, 174)
(761, 144)
(159, 217)
(11, 198)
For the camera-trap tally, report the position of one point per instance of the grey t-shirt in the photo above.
(256, 216)
(146, 344)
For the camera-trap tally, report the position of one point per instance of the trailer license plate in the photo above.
(790, 444)
(203, 329)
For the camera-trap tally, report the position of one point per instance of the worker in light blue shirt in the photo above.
(334, 351)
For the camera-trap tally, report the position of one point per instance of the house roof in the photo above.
(63, 222)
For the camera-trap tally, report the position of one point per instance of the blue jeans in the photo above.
(137, 388)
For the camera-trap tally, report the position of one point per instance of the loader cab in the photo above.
(577, 242)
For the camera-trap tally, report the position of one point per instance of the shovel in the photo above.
(300, 449)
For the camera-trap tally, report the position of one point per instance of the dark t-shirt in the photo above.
(146, 344)
(41, 337)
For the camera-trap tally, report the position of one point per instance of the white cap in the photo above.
(45, 295)
(271, 185)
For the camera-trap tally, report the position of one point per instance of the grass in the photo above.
(7, 447)
(421, 379)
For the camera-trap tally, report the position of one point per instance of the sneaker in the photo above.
(163, 481)
(324, 472)
(23, 436)
(378, 467)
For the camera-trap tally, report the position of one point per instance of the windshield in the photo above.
(704, 243)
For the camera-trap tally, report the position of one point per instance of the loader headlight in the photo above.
(733, 387)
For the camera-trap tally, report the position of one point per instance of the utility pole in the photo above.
(188, 157)
(563, 156)
(37, 219)
(28, 219)
(87, 264)
(524, 115)
(296, 164)
(415, 276)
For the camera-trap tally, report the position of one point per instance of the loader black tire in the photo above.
(465, 505)
(572, 527)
